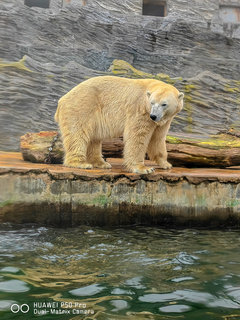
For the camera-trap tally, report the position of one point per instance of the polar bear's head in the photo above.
(165, 104)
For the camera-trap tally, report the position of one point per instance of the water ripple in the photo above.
(131, 273)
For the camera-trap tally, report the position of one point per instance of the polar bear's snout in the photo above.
(156, 113)
(153, 117)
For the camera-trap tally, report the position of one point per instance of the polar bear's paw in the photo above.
(102, 165)
(164, 165)
(85, 165)
(77, 164)
(142, 169)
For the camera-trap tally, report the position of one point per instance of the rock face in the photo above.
(46, 52)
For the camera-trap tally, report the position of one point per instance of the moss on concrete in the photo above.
(201, 201)
(101, 200)
(6, 203)
(19, 65)
(232, 203)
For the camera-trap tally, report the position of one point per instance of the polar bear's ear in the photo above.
(148, 94)
(181, 96)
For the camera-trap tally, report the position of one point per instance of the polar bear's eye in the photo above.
(164, 105)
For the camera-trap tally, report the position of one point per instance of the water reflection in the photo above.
(134, 273)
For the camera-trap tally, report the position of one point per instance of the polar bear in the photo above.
(106, 107)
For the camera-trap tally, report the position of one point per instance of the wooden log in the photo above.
(35, 147)
(222, 150)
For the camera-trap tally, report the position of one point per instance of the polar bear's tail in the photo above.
(56, 117)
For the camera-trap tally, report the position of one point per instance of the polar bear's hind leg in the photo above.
(75, 151)
(94, 155)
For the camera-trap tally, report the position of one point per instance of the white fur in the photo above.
(107, 107)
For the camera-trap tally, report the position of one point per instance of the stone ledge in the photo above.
(55, 195)
(12, 162)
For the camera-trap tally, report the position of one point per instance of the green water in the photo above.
(134, 273)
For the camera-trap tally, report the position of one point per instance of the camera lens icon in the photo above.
(15, 308)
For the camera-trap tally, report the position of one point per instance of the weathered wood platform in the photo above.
(55, 195)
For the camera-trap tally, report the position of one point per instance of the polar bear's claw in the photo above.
(143, 170)
(165, 165)
(85, 165)
(102, 165)
(81, 165)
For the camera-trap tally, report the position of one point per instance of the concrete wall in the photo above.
(54, 195)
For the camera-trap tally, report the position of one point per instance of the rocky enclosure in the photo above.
(44, 53)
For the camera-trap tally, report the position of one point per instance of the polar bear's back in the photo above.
(110, 89)
(106, 100)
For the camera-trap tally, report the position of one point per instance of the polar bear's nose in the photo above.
(153, 117)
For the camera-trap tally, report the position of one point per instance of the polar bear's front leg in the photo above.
(157, 150)
(136, 139)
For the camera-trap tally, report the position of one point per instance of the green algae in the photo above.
(232, 203)
(189, 109)
(218, 144)
(138, 200)
(199, 103)
(6, 203)
(101, 200)
(221, 141)
(173, 140)
(189, 87)
(19, 65)
(201, 201)
(231, 89)
(123, 68)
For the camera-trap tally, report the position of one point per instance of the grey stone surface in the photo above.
(64, 46)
